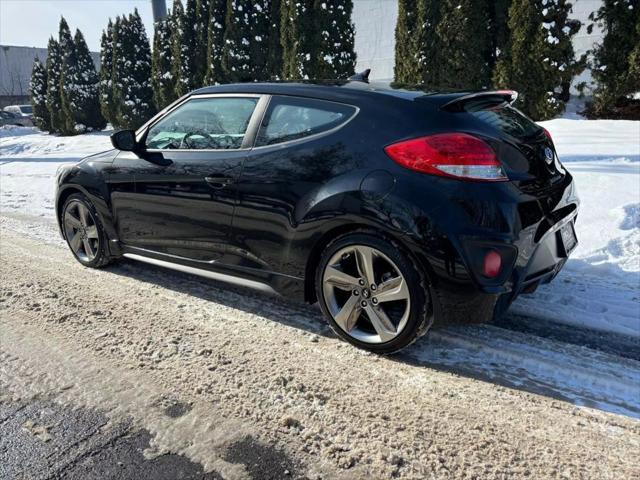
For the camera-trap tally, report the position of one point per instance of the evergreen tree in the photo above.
(54, 71)
(107, 105)
(38, 91)
(259, 35)
(407, 69)
(298, 37)
(334, 55)
(68, 77)
(79, 90)
(499, 18)
(64, 38)
(245, 50)
(464, 36)
(616, 61)
(237, 52)
(428, 42)
(203, 9)
(163, 84)
(183, 46)
(274, 47)
(67, 49)
(133, 92)
(215, 42)
(539, 58)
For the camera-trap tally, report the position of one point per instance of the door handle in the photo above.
(218, 181)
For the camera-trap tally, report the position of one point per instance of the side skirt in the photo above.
(204, 273)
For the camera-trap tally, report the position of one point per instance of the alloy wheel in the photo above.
(81, 231)
(366, 294)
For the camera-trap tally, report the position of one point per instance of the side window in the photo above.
(290, 118)
(204, 123)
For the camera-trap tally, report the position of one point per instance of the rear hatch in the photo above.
(525, 149)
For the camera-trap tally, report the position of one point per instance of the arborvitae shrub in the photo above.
(215, 41)
(54, 71)
(201, 29)
(297, 34)
(465, 39)
(38, 91)
(538, 60)
(334, 54)
(407, 47)
(133, 92)
(79, 90)
(616, 61)
(107, 105)
(163, 82)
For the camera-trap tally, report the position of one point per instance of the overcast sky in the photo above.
(31, 22)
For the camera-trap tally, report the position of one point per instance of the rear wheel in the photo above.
(372, 294)
(83, 231)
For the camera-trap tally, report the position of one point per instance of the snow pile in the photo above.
(600, 285)
(29, 142)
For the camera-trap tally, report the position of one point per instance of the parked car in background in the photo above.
(8, 118)
(23, 113)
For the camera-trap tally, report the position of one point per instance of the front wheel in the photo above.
(83, 231)
(372, 294)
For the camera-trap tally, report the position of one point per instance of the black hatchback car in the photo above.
(389, 207)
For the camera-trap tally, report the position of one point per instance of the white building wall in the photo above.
(375, 22)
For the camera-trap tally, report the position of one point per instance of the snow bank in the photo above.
(600, 285)
(29, 142)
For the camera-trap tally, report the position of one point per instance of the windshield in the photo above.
(27, 109)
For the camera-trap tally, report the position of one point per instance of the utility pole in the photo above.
(159, 9)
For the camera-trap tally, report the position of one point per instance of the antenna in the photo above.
(361, 77)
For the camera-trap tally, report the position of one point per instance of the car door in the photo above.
(299, 147)
(185, 184)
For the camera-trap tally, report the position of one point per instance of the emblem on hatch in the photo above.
(548, 155)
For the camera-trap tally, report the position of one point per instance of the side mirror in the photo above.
(124, 140)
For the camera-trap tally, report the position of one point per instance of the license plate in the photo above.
(568, 236)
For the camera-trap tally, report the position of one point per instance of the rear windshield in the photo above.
(26, 109)
(504, 117)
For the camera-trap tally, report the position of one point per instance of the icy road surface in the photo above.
(551, 391)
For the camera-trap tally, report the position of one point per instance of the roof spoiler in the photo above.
(457, 104)
(361, 77)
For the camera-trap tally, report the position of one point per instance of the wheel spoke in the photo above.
(364, 260)
(88, 248)
(340, 279)
(393, 289)
(348, 314)
(381, 323)
(70, 221)
(92, 232)
(75, 242)
(83, 213)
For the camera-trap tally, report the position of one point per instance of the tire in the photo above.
(397, 299)
(93, 255)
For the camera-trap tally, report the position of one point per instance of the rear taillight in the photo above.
(457, 155)
(547, 134)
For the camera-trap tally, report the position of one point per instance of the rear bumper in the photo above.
(523, 227)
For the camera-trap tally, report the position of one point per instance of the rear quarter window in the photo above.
(292, 118)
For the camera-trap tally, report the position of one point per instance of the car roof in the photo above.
(336, 90)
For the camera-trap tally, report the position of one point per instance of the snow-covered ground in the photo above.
(599, 287)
